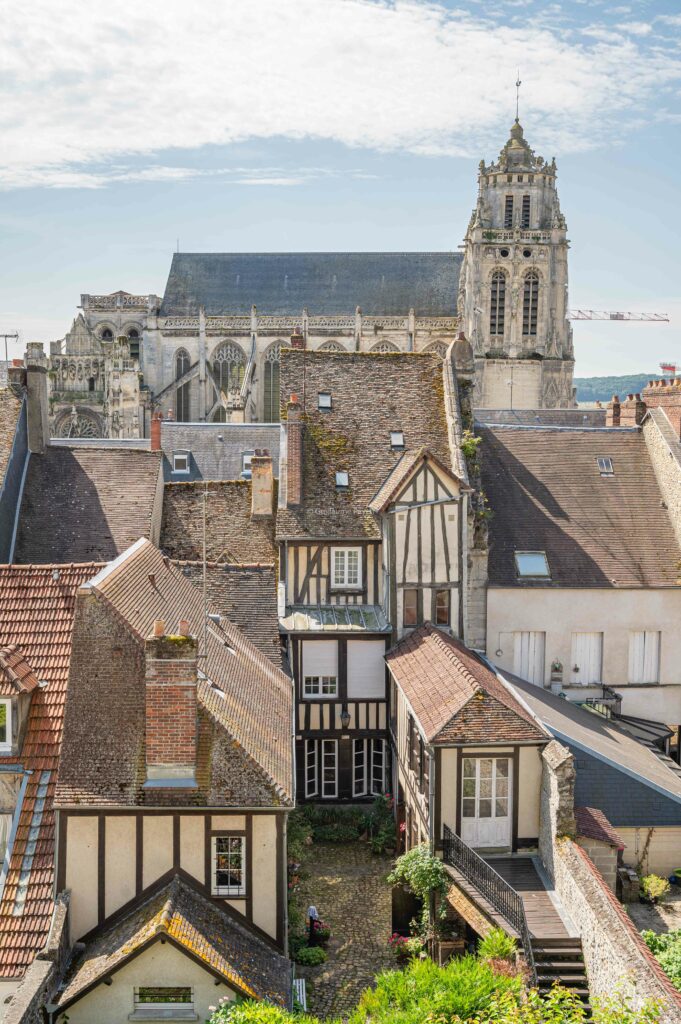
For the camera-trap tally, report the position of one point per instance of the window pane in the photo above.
(502, 767)
(469, 767)
(485, 787)
(3, 721)
(442, 608)
(163, 994)
(468, 808)
(353, 568)
(485, 809)
(501, 808)
(502, 787)
(485, 767)
(410, 616)
(469, 787)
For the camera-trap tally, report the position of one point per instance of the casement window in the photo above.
(5, 726)
(529, 656)
(163, 1002)
(366, 669)
(508, 212)
(644, 656)
(329, 760)
(497, 310)
(311, 769)
(410, 607)
(525, 215)
(368, 767)
(320, 668)
(587, 658)
(180, 462)
(530, 303)
(442, 607)
(346, 568)
(228, 876)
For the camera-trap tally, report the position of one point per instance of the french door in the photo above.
(321, 769)
(486, 802)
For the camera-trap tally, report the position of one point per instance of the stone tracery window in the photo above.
(271, 409)
(331, 346)
(497, 311)
(530, 303)
(228, 368)
(436, 348)
(182, 395)
(78, 423)
(385, 346)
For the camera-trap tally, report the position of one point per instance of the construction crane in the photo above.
(597, 314)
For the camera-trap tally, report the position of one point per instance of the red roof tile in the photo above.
(593, 824)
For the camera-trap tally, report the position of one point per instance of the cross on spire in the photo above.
(518, 83)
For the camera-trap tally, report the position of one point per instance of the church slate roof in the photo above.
(216, 449)
(331, 283)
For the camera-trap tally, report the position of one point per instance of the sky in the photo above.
(133, 128)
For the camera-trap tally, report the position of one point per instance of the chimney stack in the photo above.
(612, 415)
(262, 485)
(297, 338)
(294, 453)
(36, 407)
(632, 411)
(665, 394)
(171, 708)
(156, 421)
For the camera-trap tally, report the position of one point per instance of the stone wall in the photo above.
(664, 449)
(42, 977)
(603, 856)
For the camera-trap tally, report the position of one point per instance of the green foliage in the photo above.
(338, 833)
(299, 830)
(311, 956)
(654, 888)
(667, 949)
(334, 824)
(470, 444)
(424, 875)
(382, 824)
(497, 945)
(601, 389)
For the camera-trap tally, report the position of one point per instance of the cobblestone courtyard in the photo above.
(347, 885)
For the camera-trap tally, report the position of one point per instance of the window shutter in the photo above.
(651, 660)
(320, 658)
(366, 669)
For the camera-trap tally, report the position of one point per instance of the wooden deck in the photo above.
(543, 919)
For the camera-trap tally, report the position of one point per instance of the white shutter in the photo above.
(644, 656)
(528, 656)
(366, 669)
(587, 658)
(320, 658)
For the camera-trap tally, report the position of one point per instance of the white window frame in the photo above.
(327, 746)
(228, 891)
(311, 769)
(378, 761)
(181, 455)
(605, 465)
(6, 745)
(340, 581)
(524, 574)
(650, 641)
(246, 459)
(359, 778)
(320, 686)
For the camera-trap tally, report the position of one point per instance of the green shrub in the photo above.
(654, 888)
(338, 833)
(423, 874)
(497, 945)
(311, 956)
(334, 824)
(298, 831)
(667, 950)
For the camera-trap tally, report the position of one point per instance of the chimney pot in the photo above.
(262, 485)
(159, 627)
(183, 627)
(156, 431)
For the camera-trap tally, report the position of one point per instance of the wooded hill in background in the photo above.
(601, 389)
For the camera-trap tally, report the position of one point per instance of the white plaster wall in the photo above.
(560, 612)
(157, 836)
(529, 791)
(192, 846)
(119, 861)
(81, 872)
(664, 850)
(265, 873)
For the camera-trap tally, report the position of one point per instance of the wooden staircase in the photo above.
(561, 960)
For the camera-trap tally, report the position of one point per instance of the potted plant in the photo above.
(322, 932)
(405, 948)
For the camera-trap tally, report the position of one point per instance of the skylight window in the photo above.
(396, 439)
(180, 462)
(605, 465)
(324, 401)
(532, 564)
(342, 480)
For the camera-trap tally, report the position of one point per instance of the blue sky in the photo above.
(333, 125)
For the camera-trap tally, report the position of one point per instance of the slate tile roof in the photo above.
(36, 615)
(247, 596)
(231, 536)
(85, 504)
(16, 675)
(179, 914)
(324, 283)
(371, 395)
(244, 754)
(593, 824)
(547, 494)
(455, 697)
(216, 448)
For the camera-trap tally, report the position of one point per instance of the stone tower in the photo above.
(513, 290)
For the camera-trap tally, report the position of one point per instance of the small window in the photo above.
(320, 686)
(180, 462)
(346, 570)
(532, 563)
(5, 725)
(442, 603)
(107, 334)
(525, 216)
(396, 439)
(342, 480)
(508, 212)
(172, 1002)
(605, 467)
(324, 403)
(229, 866)
(246, 460)
(410, 600)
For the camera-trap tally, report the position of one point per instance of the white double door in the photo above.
(486, 812)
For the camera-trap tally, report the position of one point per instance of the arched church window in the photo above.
(182, 396)
(497, 309)
(385, 346)
(437, 348)
(107, 334)
(525, 216)
(228, 368)
(530, 304)
(271, 408)
(134, 343)
(331, 346)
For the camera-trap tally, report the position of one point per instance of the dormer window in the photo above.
(532, 564)
(324, 403)
(180, 462)
(342, 480)
(605, 467)
(5, 726)
(246, 460)
(396, 439)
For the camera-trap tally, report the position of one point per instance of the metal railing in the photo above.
(495, 889)
(609, 705)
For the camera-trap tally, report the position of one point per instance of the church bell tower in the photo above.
(514, 284)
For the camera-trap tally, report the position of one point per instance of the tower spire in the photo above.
(518, 83)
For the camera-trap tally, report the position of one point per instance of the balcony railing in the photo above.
(495, 889)
(609, 705)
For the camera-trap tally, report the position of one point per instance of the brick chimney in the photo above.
(294, 453)
(612, 414)
(297, 338)
(666, 395)
(632, 411)
(37, 417)
(156, 421)
(171, 708)
(262, 485)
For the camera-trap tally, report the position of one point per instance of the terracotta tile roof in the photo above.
(178, 913)
(371, 395)
(84, 504)
(546, 492)
(247, 596)
(231, 536)
(245, 704)
(593, 824)
(36, 616)
(455, 697)
(16, 675)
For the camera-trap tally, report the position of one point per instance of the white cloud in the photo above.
(90, 83)
(636, 28)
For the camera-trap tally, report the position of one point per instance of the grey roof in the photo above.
(216, 448)
(542, 417)
(361, 618)
(284, 283)
(606, 753)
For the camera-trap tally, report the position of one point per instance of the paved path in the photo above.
(543, 919)
(347, 885)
